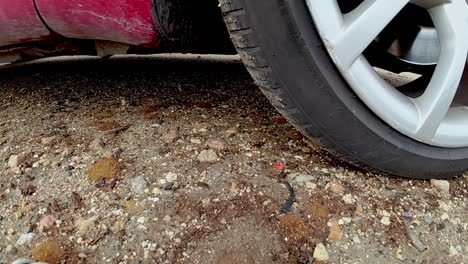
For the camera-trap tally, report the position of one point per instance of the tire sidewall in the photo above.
(298, 58)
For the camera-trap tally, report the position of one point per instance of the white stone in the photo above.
(320, 253)
(347, 219)
(356, 240)
(385, 220)
(138, 185)
(82, 224)
(171, 177)
(441, 185)
(310, 185)
(195, 141)
(453, 251)
(15, 160)
(348, 199)
(302, 178)
(25, 239)
(444, 216)
(156, 191)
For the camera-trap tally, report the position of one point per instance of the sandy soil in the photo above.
(182, 160)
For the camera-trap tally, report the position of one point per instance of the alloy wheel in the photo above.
(438, 115)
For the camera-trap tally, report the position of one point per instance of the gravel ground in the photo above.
(182, 160)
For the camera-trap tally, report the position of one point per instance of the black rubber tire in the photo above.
(280, 47)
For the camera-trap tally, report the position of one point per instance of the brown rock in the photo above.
(31, 207)
(150, 116)
(104, 169)
(335, 231)
(359, 210)
(110, 126)
(77, 200)
(234, 190)
(336, 187)
(306, 150)
(294, 135)
(103, 115)
(171, 136)
(3, 140)
(203, 105)
(92, 123)
(216, 144)
(28, 190)
(49, 252)
(151, 107)
(280, 120)
(231, 132)
(47, 222)
(48, 141)
(134, 207)
(173, 115)
(96, 144)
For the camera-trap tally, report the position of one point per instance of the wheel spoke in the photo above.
(428, 4)
(350, 34)
(451, 22)
(363, 25)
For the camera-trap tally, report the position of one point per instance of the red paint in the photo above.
(125, 21)
(19, 22)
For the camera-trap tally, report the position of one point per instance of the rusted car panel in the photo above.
(125, 21)
(19, 22)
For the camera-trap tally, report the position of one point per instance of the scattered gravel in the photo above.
(156, 160)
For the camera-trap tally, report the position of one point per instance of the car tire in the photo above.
(282, 50)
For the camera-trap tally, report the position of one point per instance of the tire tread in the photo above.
(256, 63)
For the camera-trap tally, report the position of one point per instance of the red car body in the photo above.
(37, 28)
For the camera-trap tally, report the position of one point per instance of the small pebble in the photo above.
(168, 186)
(171, 136)
(138, 185)
(47, 222)
(171, 177)
(385, 221)
(348, 199)
(320, 253)
(25, 239)
(441, 185)
(216, 144)
(336, 187)
(207, 155)
(428, 219)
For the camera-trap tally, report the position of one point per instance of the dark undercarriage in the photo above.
(185, 26)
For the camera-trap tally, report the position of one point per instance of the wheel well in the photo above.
(192, 26)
